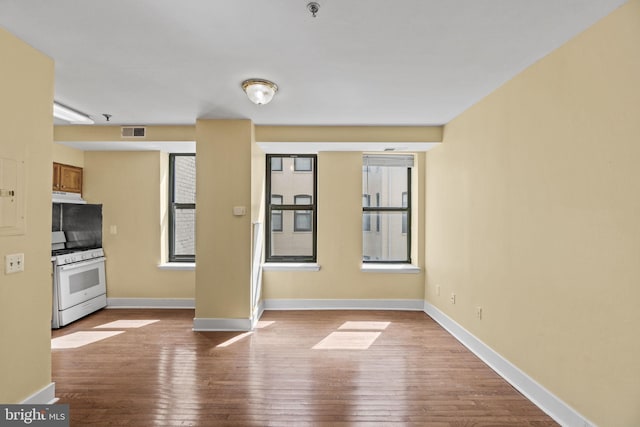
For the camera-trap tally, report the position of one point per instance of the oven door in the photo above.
(80, 282)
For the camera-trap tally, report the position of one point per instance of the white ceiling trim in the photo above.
(267, 147)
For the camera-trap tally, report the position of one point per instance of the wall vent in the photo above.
(133, 132)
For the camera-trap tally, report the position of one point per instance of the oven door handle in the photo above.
(80, 264)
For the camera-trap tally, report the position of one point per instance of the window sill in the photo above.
(190, 266)
(390, 268)
(290, 266)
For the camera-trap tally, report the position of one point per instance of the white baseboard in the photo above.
(202, 324)
(258, 314)
(45, 396)
(536, 393)
(344, 304)
(151, 303)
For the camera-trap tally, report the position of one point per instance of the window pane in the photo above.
(377, 215)
(184, 171)
(303, 164)
(302, 199)
(276, 220)
(390, 244)
(405, 201)
(184, 231)
(389, 181)
(303, 221)
(290, 243)
(276, 163)
(289, 183)
(276, 216)
(366, 219)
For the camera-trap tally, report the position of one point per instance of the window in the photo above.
(291, 208)
(389, 178)
(182, 207)
(302, 219)
(276, 216)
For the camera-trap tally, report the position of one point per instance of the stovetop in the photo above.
(57, 252)
(68, 256)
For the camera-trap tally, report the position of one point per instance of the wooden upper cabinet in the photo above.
(67, 178)
(56, 177)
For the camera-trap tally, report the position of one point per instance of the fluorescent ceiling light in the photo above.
(65, 113)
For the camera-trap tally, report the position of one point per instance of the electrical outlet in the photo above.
(453, 298)
(438, 290)
(13, 263)
(479, 312)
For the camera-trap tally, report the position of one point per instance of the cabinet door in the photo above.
(70, 179)
(56, 177)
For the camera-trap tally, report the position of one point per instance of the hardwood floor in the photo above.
(407, 372)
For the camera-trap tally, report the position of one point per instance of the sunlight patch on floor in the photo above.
(235, 339)
(125, 324)
(264, 323)
(347, 341)
(82, 338)
(365, 325)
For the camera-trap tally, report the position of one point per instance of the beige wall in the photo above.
(533, 213)
(133, 254)
(223, 244)
(132, 188)
(26, 134)
(68, 155)
(113, 133)
(338, 134)
(340, 243)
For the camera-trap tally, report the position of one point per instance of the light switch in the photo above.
(113, 229)
(239, 210)
(14, 263)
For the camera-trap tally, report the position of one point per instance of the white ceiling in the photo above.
(376, 62)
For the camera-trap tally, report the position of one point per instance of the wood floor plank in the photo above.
(164, 374)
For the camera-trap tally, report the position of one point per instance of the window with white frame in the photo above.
(389, 178)
(182, 207)
(291, 208)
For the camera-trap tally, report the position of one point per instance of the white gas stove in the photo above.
(79, 285)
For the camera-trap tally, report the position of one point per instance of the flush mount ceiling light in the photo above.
(259, 91)
(72, 116)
